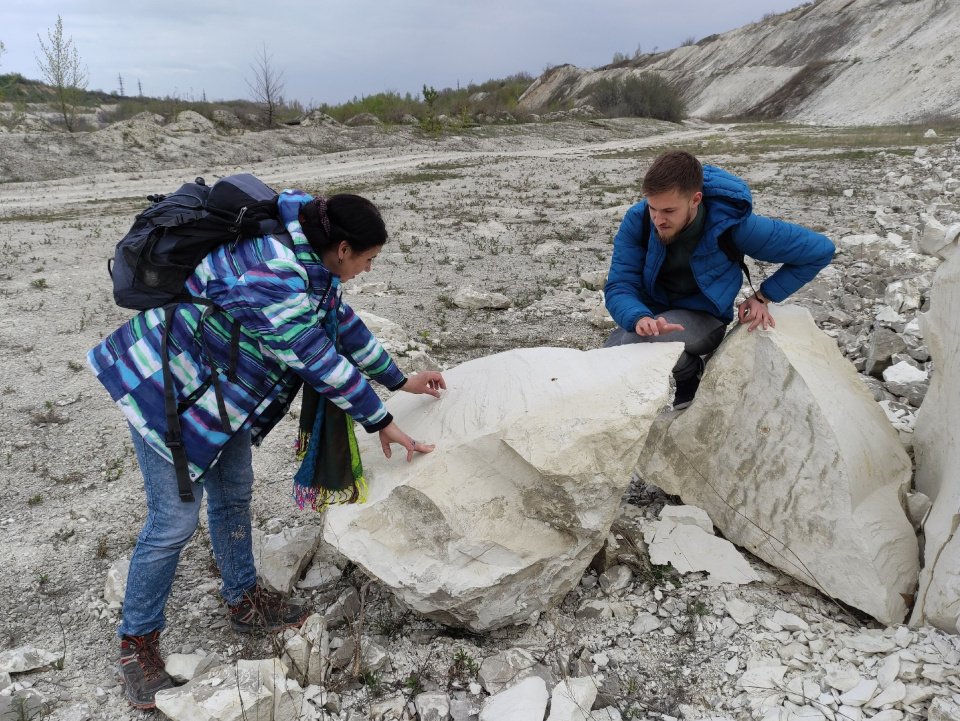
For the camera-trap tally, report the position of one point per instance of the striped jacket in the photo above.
(279, 297)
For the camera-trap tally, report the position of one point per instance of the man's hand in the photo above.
(429, 382)
(754, 309)
(647, 326)
(393, 434)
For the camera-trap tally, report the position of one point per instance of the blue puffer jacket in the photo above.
(632, 292)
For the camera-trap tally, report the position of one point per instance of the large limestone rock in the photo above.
(534, 450)
(791, 457)
(937, 446)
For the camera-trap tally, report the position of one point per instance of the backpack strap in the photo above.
(172, 409)
(173, 439)
(730, 249)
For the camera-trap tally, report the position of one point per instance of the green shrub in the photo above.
(645, 96)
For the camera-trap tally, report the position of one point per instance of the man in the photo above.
(675, 271)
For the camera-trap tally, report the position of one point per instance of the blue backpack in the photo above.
(168, 240)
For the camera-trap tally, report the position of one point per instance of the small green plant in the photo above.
(74, 366)
(39, 283)
(413, 684)
(35, 500)
(373, 683)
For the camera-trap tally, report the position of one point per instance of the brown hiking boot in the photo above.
(142, 670)
(266, 610)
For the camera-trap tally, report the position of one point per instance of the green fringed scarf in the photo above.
(331, 471)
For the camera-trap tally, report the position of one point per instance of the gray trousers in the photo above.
(701, 334)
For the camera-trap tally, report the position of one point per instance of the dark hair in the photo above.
(674, 170)
(352, 218)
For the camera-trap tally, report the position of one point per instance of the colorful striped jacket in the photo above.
(279, 297)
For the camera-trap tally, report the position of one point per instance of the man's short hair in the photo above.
(674, 169)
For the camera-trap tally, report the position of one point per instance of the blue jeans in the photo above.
(171, 522)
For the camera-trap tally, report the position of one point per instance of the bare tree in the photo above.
(266, 86)
(62, 69)
(3, 49)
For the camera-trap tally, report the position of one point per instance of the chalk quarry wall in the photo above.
(833, 62)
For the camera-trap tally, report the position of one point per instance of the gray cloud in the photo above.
(332, 51)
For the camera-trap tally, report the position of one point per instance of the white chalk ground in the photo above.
(470, 209)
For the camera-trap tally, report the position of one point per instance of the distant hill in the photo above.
(830, 62)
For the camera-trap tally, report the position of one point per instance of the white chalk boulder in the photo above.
(792, 459)
(534, 449)
(937, 446)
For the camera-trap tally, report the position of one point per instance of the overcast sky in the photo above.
(332, 51)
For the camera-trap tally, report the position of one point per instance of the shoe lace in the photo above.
(148, 656)
(262, 599)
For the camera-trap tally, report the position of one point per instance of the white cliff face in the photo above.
(937, 444)
(534, 450)
(834, 62)
(792, 458)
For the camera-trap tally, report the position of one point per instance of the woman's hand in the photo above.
(430, 382)
(393, 434)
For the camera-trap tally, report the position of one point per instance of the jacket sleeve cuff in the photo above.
(397, 386)
(379, 425)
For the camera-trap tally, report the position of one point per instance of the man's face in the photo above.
(671, 212)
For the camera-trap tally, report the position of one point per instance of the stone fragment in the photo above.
(116, 582)
(793, 460)
(609, 713)
(888, 715)
(385, 330)
(21, 703)
(888, 671)
(892, 694)
(915, 694)
(789, 621)
(644, 624)
(917, 506)
(594, 608)
(741, 611)
(942, 709)
(937, 449)
(593, 279)
(903, 296)
(689, 548)
(320, 577)
(372, 655)
(433, 706)
(75, 712)
(26, 658)
(296, 657)
(525, 701)
(599, 317)
(884, 344)
(388, 709)
(762, 679)
(938, 240)
(572, 699)
(534, 451)
(226, 693)
(690, 515)
(860, 694)
(185, 666)
(468, 297)
(282, 557)
(865, 643)
(849, 713)
(616, 579)
(906, 380)
(509, 667)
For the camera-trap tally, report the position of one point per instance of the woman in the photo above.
(282, 301)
